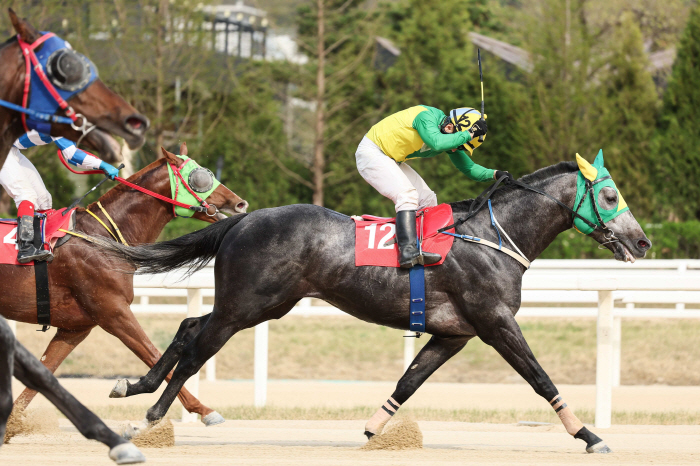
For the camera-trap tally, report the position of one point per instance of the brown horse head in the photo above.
(102, 107)
(223, 198)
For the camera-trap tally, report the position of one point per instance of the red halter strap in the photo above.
(203, 208)
(30, 58)
(178, 176)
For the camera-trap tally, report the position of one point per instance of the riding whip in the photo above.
(481, 78)
(75, 203)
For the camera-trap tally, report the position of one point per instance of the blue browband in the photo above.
(57, 62)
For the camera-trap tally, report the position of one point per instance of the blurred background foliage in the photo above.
(589, 84)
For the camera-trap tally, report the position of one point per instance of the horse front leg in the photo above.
(433, 355)
(7, 357)
(61, 345)
(503, 333)
(33, 374)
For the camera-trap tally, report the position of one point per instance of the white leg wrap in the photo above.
(567, 416)
(376, 423)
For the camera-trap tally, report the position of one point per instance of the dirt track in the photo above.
(338, 443)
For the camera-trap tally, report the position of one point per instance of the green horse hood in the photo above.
(594, 177)
(182, 193)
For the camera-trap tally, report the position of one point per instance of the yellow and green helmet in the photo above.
(463, 119)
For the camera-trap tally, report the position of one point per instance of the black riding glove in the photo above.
(497, 174)
(479, 128)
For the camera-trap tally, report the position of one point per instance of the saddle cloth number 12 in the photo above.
(391, 230)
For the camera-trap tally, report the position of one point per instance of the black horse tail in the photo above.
(194, 250)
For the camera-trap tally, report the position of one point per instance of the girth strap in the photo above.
(41, 276)
(416, 276)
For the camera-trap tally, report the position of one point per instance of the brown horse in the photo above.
(101, 106)
(85, 292)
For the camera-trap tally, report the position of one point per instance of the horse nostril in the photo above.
(137, 124)
(643, 244)
(241, 207)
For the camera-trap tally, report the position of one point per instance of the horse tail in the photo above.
(194, 250)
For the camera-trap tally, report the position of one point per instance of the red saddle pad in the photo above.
(373, 233)
(8, 232)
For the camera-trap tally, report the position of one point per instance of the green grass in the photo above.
(494, 416)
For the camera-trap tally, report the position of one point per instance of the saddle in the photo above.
(375, 237)
(50, 226)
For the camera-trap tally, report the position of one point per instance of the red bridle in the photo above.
(203, 207)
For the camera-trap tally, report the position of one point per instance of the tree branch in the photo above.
(337, 44)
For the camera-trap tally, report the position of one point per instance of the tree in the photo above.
(339, 36)
(625, 111)
(677, 141)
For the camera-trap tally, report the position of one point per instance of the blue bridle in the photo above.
(53, 75)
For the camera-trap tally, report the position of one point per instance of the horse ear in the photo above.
(599, 162)
(172, 158)
(587, 170)
(183, 148)
(25, 30)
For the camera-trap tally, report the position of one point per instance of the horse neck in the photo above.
(531, 220)
(140, 217)
(11, 85)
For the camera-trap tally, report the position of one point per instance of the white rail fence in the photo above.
(552, 288)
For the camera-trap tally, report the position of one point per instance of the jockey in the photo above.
(24, 184)
(418, 132)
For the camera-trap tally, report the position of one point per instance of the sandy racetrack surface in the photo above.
(339, 442)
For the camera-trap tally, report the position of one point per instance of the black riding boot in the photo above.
(25, 241)
(406, 238)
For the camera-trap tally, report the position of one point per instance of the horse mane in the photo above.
(543, 174)
(9, 41)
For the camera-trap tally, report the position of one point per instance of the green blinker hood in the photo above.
(183, 195)
(588, 172)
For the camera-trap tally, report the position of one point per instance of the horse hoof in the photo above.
(119, 390)
(131, 431)
(126, 453)
(599, 447)
(369, 434)
(213, 419)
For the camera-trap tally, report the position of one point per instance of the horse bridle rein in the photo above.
(32, 62)
(202, 207)
(483, 198)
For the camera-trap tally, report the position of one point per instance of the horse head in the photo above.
(110, 114)
(599, 202)
(201, 180)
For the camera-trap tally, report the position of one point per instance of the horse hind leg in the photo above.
(161, 370)
(220, 327)
(29, 371)
(505, 336)
(433, 355)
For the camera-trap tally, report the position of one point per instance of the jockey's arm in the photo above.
(428, 127)
(72, 154)
(466, 165)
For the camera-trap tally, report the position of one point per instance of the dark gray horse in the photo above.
(266, 261)
(16, 360)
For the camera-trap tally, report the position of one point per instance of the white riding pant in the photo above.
(23, 182)
(398, 182)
